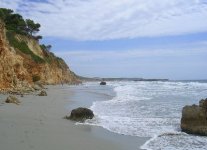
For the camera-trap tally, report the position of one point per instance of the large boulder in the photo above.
(194, 118)
(80, 114)
(103, 83)
(12, 99)
(43, 93)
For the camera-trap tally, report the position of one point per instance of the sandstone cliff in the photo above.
(23, 61)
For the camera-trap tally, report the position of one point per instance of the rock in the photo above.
(194, 118)
(37, 87)
(38, 83)
(12, 99)
(15, 92)
(42, 93)
(80, 114)
(203, 103)
(103, 83)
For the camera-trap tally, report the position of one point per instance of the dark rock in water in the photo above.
(80, 114)
(103, 83)
(194, 118)
(12, 99)
(42, 93)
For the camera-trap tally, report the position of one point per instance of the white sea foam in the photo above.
(178, 141)
(151, 109)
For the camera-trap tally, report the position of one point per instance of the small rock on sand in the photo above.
(12, 99)
(43, 93)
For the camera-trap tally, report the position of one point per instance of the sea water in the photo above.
(151, 109)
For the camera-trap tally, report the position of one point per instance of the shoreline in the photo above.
(125, 141)
(37, 123)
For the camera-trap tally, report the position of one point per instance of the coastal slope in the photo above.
(24, 61)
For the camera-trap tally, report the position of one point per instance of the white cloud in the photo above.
(93, 57)
(114, 19)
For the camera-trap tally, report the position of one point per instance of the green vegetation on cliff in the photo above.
(17, 25)
(22, 46)
(23, 60)
(15, 22)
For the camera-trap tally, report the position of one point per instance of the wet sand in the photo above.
(38, 124)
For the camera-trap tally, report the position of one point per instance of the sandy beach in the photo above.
(131, 72)
(38, 124)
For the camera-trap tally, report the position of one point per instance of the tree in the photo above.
(38, 37)
(46, 47)
(16, 23)
(32, 27)
(4, 13)
(13, 22)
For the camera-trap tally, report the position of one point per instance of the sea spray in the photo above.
(151, 109)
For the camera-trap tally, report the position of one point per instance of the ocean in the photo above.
(149, 109)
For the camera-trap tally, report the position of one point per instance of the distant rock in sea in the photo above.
(80, 114)
(194, 118)
(103, 83)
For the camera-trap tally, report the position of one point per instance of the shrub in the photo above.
(22, 46)
(35, 78)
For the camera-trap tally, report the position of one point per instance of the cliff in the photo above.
(23, 61)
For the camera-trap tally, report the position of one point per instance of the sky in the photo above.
(124, 38)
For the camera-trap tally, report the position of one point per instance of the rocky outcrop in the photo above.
(12, 99)
(80, 114)
(37, 87)
(43, 93)
(19, 67)
(11, 65)
(194, 118)
(39, 84)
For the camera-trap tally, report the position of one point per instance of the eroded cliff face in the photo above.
(18, 68)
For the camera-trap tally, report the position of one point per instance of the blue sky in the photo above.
(124, 38)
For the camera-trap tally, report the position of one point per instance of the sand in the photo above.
(38, 124)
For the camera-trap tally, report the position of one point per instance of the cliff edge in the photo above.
(23, 61)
